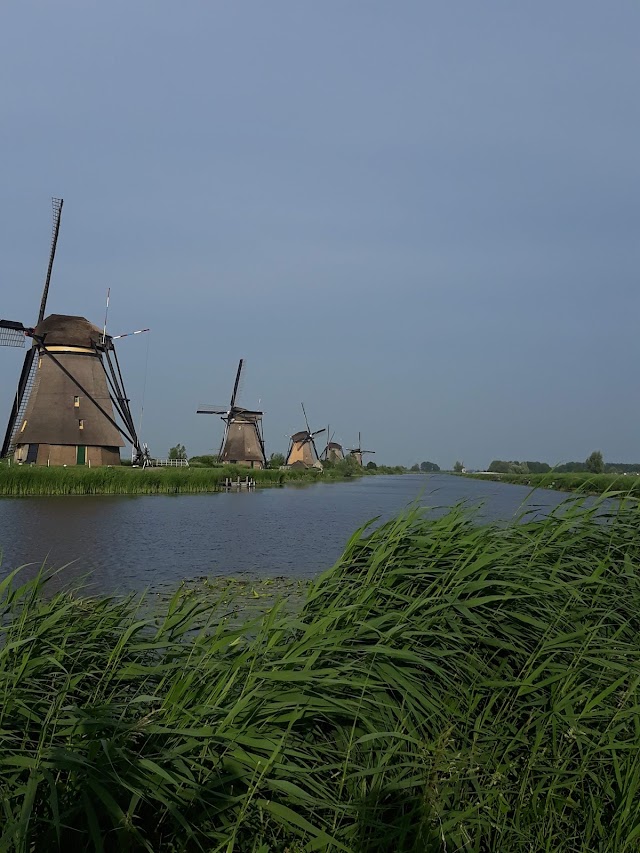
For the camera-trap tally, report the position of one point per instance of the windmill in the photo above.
(302, 451)
(358, 452)
(69, 386)
(333, 452)
(242, 443)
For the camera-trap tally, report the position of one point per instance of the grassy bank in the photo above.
(594, 484)
(446, 686)
(23, 480)
(27, 480)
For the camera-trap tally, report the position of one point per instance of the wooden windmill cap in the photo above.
(68, 330)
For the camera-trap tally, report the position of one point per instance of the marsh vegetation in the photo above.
(124, 480)
(447, 685)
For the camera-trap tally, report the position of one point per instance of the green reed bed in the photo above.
(595, 484)
(23, 480)
(447, 686)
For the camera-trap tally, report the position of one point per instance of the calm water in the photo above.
(129, 543)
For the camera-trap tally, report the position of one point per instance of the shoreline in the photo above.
(587, 484)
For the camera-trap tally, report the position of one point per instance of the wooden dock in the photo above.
(231, 485)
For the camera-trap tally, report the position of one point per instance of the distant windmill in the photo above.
(69, 386)
(333, 452)
(242, 442)
(358, 452)
(302, 451)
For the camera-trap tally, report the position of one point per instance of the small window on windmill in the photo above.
(81, 423)
(76, 402)
(39, 362)
(22, 428)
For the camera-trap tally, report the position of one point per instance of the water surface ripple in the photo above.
(130, 543)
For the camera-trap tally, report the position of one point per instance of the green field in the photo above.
(447, 686)
(595, 484)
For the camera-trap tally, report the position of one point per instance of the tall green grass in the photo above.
(447, 686)
(23, 480)
(123, 480)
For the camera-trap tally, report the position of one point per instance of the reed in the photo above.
(22, 480)
(445, 686)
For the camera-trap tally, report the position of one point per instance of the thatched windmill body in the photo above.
(242, 442)
(302, 451)
(357, 452)
(69, 386)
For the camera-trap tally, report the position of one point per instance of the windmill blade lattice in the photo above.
(20, 401)
(242, 441)
(55, 230)
(236, 385)
(12, 334)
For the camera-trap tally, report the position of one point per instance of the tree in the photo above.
(276, 460)
(178, 452)
(348, 467)
(538, 467)
(595, 463)
(207, 461)
(501, 466)
(458, 467)
(572, 468)
(371, 465)
(415, 467)
(429, 466)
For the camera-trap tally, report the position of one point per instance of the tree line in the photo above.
(593, 464)
(426, 467)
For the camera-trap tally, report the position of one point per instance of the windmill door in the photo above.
(32, 453)
(81, 454)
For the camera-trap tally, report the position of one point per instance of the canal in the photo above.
(124, 544)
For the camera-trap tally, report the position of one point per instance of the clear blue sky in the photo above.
(420, 218)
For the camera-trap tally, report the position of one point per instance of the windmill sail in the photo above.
(242, 442)
(302, 451)
(9, 336)
(70, 388)
(21, 400)
(357, 452)
(333, 452)
(55, 230)
(12, 334)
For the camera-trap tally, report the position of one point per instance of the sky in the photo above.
(419, 218)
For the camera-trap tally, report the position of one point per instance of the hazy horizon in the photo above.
(419, 219)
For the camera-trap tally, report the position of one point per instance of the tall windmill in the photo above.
(302, 451)
(358, 452)
(242, 442)
(333, 451)
(69, 386)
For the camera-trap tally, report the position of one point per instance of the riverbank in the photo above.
(16, 480)
(446, 685)
(592, 484)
